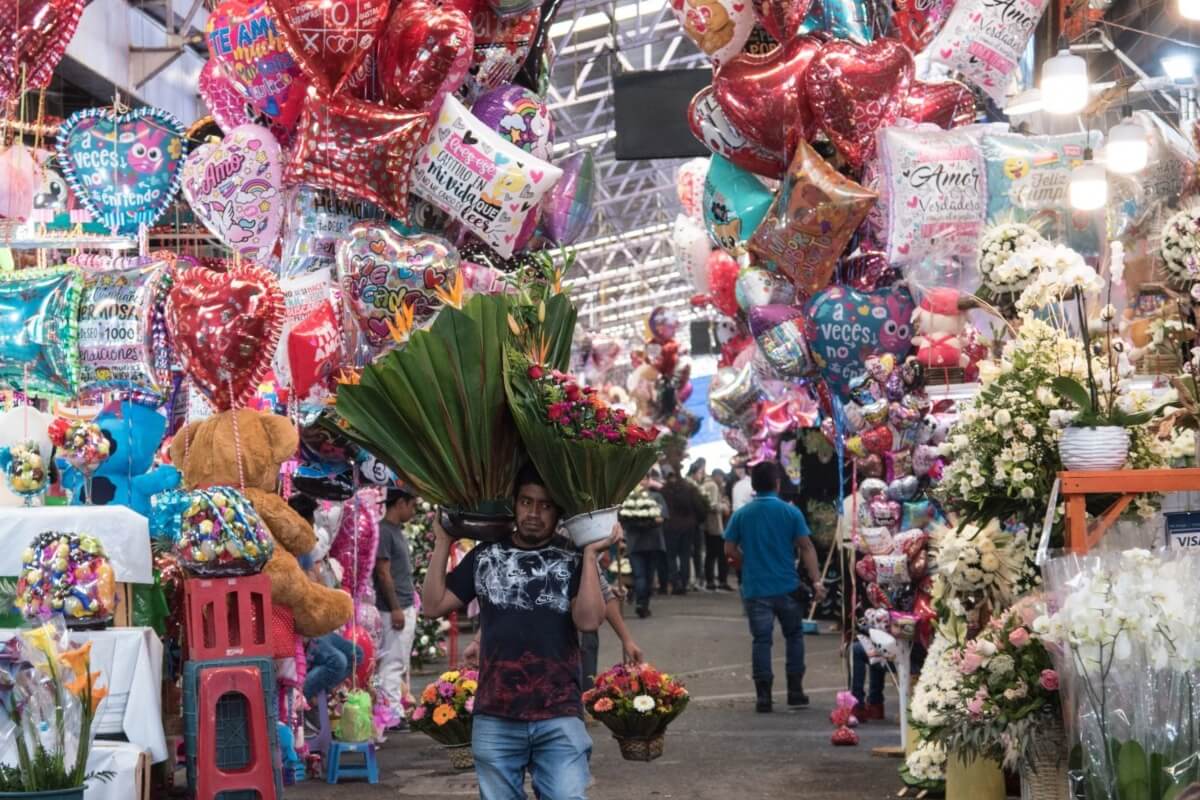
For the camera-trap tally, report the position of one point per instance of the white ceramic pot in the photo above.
(1094, 449)
(592, 526)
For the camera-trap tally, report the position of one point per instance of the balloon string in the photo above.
(237, 437)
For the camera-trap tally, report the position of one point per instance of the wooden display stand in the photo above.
(1127, 484)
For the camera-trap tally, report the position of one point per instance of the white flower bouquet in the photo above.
(1002, 274)
(1058, 272)
(978, 565)
(640, 510)
(1181, 246)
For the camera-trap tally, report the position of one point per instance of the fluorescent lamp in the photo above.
(1065, 83)
(1089, 185)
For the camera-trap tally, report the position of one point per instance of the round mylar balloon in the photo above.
(117, 321)
(520, 117)
(501, 47)
(756, 287)
(691, 251)
(712, 128)
(38, 331)
(663, 324)
(984, 41)
(382, 272)
(689, 186)
(719, 28)
(731, 394)
(722, 280)
(779, 331)
(735, 202)
(567, 207)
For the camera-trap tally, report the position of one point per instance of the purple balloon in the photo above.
(764, 318)
(519, 116)
(567, 207)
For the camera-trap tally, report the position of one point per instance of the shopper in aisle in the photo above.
(742, 492)
(716, 565)
(645, 545)
(686, 510)
(394, 597)
(698, 478)
(764, 537)
(535, 597)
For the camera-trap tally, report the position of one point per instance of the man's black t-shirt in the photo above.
(529, 652)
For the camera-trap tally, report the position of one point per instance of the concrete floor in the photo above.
(719, 749)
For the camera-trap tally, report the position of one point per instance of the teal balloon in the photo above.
(735, 204)
(39, 331)
(842, 19)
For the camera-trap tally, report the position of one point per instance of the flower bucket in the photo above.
(592, 526)
(461, 756)
(475, 525)
(49, 794)
(1094, 449)
(1044, 775)
(641, 749)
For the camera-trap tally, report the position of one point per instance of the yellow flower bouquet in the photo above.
(444, 713)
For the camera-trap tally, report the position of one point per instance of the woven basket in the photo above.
(461, 756)
(640, 749)
(1044, 775)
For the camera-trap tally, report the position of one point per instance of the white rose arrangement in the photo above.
(1181, 246)
(1000, 273)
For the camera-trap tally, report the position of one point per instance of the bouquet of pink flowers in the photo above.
(446, 706)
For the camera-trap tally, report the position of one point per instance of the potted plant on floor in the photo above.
(444, 714)
(636, 703)
(51, 705)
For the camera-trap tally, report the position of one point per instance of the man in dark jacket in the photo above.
(686, 511)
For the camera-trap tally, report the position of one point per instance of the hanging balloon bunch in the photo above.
(660, 383)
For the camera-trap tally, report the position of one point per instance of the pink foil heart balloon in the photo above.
(948, 104)
(763, 95)
(222, 98)
(854, 90)
(424, 55)
(33, 37)
(234, 188)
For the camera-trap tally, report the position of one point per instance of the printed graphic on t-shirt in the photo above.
(524, 579)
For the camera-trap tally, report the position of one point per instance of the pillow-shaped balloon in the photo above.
(936, 195)
(118, 317)
(473, 174)
(1028, 178)
(735, 202)
(983, 41)
(39, 331)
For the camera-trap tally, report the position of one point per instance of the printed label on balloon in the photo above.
(936, 195)
(488, 184)
(712, 128)
(312, 228)
(243, 40)
(233, 187)
(124, 167)
(117, 330)
(719, 28)
(983, 40)
(845, 327)
(39, 337)
(381, 271)
(301, 297)
(1028, 180)
(330, 38)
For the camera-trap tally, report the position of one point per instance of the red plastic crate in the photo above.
(227, 617)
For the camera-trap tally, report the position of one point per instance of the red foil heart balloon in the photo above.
(918, 21)
(781, 18)
(33, 37)
(710, 125)
(424, 55)
(330, 38)
(854, 90)
(225, 326)
(763, 96)
(948, 104)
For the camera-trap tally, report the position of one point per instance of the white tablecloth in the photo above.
(124, 533)
(129, 661)
(119, 757)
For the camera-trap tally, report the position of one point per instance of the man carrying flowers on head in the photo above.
(535, 598)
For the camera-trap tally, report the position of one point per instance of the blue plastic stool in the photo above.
(335, 771)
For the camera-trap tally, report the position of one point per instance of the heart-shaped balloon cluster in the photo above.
(33, 37)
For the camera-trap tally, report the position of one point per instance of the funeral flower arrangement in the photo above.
(1181, 246)
(446, 706)
(979, 564)
(635, 701)
(1001, 273)
(640, 509)
(429, 641)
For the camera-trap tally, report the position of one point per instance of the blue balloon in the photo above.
(39, 331)
(735, 204)
(843, 19)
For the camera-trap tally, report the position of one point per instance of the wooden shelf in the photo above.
(1126, 484)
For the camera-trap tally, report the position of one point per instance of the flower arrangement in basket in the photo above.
(51, 706)
(640, 510)
(591, 456)
(636, 703)
(444, 713)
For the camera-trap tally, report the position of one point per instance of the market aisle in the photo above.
(719, 749)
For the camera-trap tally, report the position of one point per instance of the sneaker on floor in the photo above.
(725, 587)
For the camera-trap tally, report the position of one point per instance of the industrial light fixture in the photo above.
(1189, 9)
(1027, 102)
(1126, 148)
(1089, 185)
(1065, 82)
(1178, 67)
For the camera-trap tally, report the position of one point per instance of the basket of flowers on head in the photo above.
(636, 703)
(444, 714)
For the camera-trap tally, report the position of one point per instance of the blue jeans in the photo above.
(643, 568)
(555, 751)
(762, 613)
(330, 659)
(861, 665)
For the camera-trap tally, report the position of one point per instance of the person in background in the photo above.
(394, 597)
(535, 597)
(742, 492)
(698, 477)
(716, 565)
(646, 545)
(764, 536)
(686, 510)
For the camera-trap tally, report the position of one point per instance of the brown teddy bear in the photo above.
(206, 453)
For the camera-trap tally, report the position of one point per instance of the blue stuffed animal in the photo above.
(125, 478)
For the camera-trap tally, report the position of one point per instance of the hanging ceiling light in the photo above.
(1179, 67)
(1064, 82)
(1189, 9)
(1089, 185)
(1126, 148)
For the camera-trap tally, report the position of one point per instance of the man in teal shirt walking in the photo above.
(765, 536)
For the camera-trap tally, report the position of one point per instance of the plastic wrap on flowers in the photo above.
(67, 574)
(215, 532)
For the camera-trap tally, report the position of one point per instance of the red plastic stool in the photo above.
(227, 617)
(216, 685)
